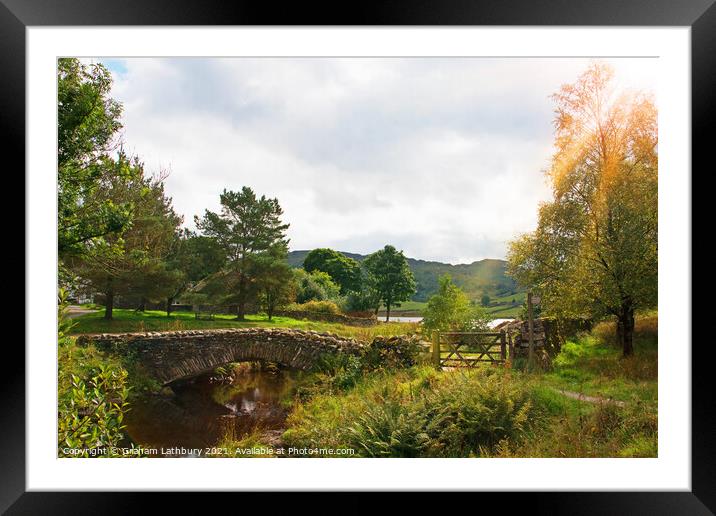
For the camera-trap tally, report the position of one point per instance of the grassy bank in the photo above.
(495, 412)
(593, 364)
(150, 320)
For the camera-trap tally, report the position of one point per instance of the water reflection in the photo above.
(201, 412)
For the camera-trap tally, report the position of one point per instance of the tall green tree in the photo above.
(246, 228)
(344, 271)
(132, 262)
(594, 251)
(87, 143)
(390, 277)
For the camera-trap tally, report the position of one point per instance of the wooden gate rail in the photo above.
(484, 342)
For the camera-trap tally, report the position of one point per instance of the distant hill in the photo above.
(484, 276)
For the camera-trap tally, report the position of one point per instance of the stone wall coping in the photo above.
(179, 334)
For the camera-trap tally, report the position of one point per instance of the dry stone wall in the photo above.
(170, 356)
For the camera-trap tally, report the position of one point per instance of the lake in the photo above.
(493, 323)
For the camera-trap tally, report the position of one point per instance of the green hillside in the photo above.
(484, 276)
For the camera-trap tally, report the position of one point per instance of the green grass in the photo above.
(594, 366)
(406, 308)
(591, 364)
(505, 308)
(504, 311)
(519, 297)
(155, 320)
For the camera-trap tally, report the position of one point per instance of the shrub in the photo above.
(324, 307)
(343, 371)
(92, 396)
(393, 352)
(387, 428)
(315, 286)
(91, 411)
(470, 415)
(332, 372)
(364, 301)
(417, 412)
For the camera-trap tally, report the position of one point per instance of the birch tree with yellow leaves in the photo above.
(594, 252)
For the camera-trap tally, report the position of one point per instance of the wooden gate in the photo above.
(469, 349)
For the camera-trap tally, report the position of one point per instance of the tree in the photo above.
(344, 271)
(485, 300)
(246, 228)
(88, 121)
(149, 241)
(276, 283)
(132, 262)
(367, 298)
(192, 258)
(594, 251)
(450, 309)
(314, 286)
(390, 277)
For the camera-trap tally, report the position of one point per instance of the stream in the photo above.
(201, 412)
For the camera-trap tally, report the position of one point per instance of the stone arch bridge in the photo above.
(175, 355)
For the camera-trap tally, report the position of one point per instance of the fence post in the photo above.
(503, 346)
(436, 348)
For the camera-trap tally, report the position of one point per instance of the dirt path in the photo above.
(590, 399)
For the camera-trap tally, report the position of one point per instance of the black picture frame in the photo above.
(700, 15)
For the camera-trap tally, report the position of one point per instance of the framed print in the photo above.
(415, 250)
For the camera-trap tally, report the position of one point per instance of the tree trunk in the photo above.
(170, 300)
(625, 329)
(108, 305)
(240, 305)
(387, 312)
(142, 305)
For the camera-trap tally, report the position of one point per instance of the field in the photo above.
(499, 307)
(406, 309)
(504, 311)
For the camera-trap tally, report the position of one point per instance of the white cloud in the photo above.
(440, 157)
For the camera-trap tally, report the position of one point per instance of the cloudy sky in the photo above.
(442, 158)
